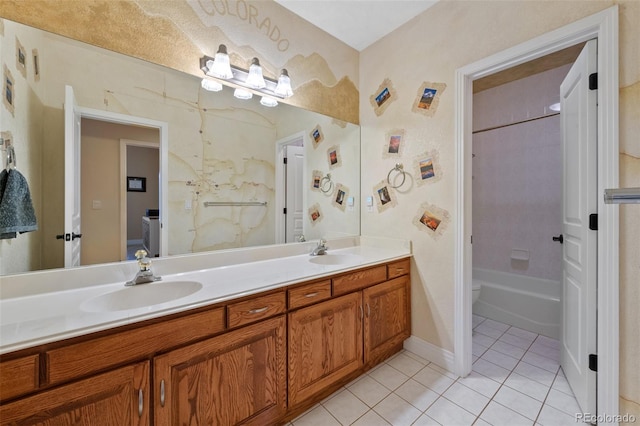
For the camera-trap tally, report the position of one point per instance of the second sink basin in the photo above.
(140, 296)
(335, 259)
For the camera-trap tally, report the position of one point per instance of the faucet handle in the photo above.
(143, 261)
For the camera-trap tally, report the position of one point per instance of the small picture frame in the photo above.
(314, 214)
(431, 219)
(36, 64)
(21, 58)
(340, 197)
(427, 167)
(428, 98)
(316, 180)
(383, 97)
(384, 195)
(394, 143)
(316, 136)
(334, 157)
(8, 95)
(136, 184)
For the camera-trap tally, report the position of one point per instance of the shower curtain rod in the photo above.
(517, 122)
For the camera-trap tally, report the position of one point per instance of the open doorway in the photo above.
(105, 194)
(603, 27)
(140, 167)
(290, 195)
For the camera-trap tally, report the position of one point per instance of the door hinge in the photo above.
(593, 362)
(593, 81)
(284, 211)
(593, 221)
(472, 239)
(285, 160)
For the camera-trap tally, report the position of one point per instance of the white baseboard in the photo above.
(430, 352)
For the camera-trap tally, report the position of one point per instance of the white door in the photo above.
(71, 179)
(579, 145)
(294, 201)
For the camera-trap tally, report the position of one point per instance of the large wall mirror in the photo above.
(156, 148)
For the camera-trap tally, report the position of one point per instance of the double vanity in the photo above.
(257, 337)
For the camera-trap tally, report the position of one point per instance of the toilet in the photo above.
(476, 287)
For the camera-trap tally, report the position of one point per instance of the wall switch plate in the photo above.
(96, 204)
(350, 204)
(369, 203)
(187, 204)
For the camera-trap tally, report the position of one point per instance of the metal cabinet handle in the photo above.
(162, 392)
(311, 294)
(259, 310)
(361, 312)
(368, 310)
(140, 402)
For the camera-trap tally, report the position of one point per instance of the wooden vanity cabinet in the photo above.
(119, 397)
(19, 376)
(257, 360)
(387, 318)
(325, 345)
(237, 378)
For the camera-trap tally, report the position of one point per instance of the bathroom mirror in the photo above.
(225, 180)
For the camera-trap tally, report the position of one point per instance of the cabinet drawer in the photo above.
(309, 293)
(401, 267)
(83, 358)
(18, 376)
(359, 279)
(255, 309)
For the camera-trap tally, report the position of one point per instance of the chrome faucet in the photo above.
(320, 249)
(144, 275)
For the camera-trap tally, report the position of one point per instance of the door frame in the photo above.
(163, 138)
(124, 208)
(603, 26)
(281, 182)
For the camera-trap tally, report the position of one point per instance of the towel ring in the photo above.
(324, 182)
(10, 160)
(400, 169)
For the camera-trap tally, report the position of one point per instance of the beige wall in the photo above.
(430, 48)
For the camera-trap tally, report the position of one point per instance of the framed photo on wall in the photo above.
(136, 184)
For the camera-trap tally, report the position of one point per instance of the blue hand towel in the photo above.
(16, 208)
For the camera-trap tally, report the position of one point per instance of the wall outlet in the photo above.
(369, 203)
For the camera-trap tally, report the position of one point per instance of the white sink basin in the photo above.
(141, 295)
(335, 259)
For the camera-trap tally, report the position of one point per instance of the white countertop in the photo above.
(32, 319)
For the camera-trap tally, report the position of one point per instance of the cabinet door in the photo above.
(387, 318)
(325, 345)
(120, 397)
(236, 378)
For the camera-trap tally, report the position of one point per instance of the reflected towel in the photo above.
(16, 208)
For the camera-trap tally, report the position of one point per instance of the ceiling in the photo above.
(358, 23)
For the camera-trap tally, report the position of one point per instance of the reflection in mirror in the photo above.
(227, 185)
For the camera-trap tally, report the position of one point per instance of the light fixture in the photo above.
(255, 79)
(555, 107)
(246, 82)
(242, 94)
(268, 102)
(218, 67)
(211, 85)
(283, 89)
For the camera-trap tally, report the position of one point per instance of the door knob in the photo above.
(559, 239)
(74, 235)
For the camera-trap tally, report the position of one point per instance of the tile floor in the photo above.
(516, 380)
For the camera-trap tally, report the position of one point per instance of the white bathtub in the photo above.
(525, 302)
